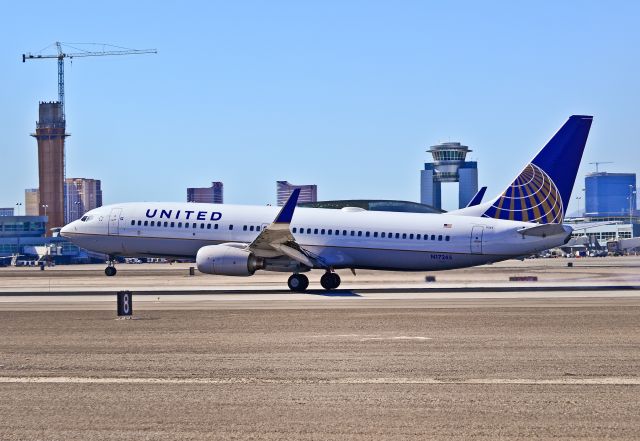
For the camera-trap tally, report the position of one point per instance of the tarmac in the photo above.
(388, 356)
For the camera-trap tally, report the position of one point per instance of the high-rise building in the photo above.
(308, 193)
(207, 195)
(610, 194)
(82, 195)
(448, 165)
(31, 202)
(50, 134)
(8, 211)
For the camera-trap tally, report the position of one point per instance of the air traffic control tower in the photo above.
(50, 134)
(448, 165)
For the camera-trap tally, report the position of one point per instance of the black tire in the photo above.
(336, 280)
(298, 283)
(110, 271)
(330, 281)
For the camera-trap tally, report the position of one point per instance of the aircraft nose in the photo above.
(64, 232)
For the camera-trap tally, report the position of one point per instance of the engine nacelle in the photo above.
(225, 260)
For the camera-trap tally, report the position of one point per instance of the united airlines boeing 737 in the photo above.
(238, 240)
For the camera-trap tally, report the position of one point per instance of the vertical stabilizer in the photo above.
(542, 191)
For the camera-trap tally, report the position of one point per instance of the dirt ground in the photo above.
(357, 374)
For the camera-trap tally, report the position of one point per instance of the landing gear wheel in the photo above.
(330, 281)
(110, 271)
(298, 282)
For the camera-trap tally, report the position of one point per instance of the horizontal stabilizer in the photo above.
(545, 230)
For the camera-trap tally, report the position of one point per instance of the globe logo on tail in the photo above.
(533, 197)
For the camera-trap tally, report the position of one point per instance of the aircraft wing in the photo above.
(276, 239)
(477, 198)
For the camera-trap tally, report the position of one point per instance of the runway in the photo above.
(472, 356)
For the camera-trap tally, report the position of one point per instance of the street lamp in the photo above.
(45, 206)
(18, 204)
(578, 199)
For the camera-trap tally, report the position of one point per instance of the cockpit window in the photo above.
(86, 218)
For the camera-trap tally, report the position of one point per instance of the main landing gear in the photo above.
(300, 282)
(330, 280)
(110, 270)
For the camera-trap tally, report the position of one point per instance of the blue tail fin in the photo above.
(542, 191)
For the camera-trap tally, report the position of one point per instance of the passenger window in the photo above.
(367, 234)
(251, 228)
(202, 226)
(166, 224)
(153, 223)
(433, 237)
(411, 236)
(179, 224)
(383, 235)
(231, 227)
(294, 229)
(397, 235)
(353, 233)
(404, 235)
(258, 228)
(244, 228)
(308, 230)
(173, 224)
(133, 222)
(440, 237)
(359, 233)
(322, 231)
(146, 223)
(208, 226)
(447, 238)
(215, 227)
(344, 232)
(329, 232)
(139, 223)
(375, 234)
(315, 231)
(418, 236)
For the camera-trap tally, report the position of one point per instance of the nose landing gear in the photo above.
(110, 270)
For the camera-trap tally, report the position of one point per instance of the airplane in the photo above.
(236, 240)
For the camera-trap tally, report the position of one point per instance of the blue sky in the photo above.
(344, 94)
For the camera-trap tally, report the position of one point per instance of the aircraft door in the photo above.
(476, 240)
(114, 221)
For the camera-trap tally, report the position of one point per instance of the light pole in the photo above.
(77, 210)
(578, 199)
(45, 206)
(632, 193)
(18, 204)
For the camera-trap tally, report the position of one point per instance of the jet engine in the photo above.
(225, 260)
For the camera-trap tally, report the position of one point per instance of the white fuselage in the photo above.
(339, 238)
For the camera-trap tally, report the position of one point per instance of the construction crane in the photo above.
(596, 163)
(61, 55)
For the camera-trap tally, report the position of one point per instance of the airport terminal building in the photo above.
(24, 237)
